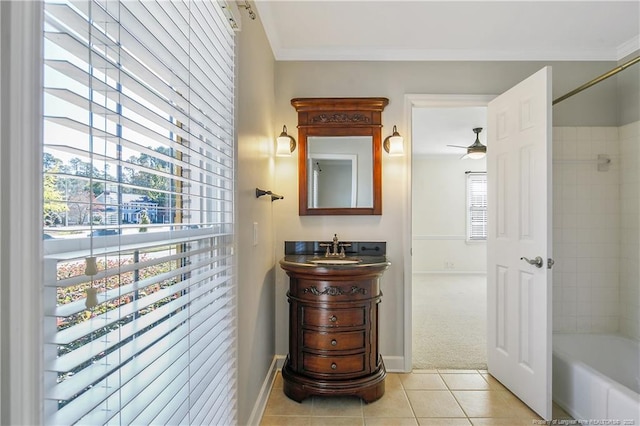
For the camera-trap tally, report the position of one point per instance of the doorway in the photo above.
(448, 280)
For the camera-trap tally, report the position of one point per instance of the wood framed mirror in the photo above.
(339, 155)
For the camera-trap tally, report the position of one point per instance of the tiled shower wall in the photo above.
(630, 230)
(587, 218)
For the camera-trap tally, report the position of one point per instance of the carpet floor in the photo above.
(449, 321)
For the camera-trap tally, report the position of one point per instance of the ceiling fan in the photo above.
(476, 150)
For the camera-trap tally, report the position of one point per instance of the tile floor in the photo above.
(423, 397)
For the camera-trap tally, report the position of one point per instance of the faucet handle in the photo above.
(327, 245)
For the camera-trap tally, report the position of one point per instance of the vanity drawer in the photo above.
(319, 317)
(348, 364)
(331, 291)
(334, 341)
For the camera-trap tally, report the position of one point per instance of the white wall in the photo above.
(393, 80)
(256, 133)
(597, 230)
(630, 230)
(439, 220)
(586, 218)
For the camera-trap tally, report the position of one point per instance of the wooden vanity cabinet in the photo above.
(333, 333)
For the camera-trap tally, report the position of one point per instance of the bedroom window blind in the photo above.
(476, 206)
(139, 286)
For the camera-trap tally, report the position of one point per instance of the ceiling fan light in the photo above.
(476, 155)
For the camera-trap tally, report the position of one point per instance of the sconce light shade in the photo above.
(394, 144)
(285, 144)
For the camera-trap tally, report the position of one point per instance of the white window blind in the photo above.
(138, 175)
(476, 206)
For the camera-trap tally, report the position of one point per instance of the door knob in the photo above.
(537, 261)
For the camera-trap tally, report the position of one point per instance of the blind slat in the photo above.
(139, 142)
(477, 206)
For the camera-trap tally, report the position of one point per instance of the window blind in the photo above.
(139, 286)
(476, 206)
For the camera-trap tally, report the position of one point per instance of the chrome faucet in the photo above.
(338, 248)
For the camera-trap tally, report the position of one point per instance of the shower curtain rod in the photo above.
(597, 80)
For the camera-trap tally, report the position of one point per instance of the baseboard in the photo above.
(449, 272)
(263, 396)
(280, 359)
(394, 364)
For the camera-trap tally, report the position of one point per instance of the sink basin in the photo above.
(335, 261)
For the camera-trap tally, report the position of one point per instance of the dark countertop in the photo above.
(307, 261)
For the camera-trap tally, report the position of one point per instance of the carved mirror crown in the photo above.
(340, 155)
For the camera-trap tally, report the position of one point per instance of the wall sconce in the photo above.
(394, 144)
(285, 144)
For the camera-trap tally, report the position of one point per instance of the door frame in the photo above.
(412, 101)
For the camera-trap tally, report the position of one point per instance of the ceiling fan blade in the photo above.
(458, 146)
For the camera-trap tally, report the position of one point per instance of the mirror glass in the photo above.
(339, 171)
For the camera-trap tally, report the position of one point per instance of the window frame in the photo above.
(21, 219)
(56, 250)
(469, 178)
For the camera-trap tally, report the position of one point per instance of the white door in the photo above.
(519, 226)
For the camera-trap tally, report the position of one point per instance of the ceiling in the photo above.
(548, 30)
(435, 128)
(450, 30)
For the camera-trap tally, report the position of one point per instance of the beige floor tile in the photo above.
(494, 404)
(518, 408)
(559, 414)
(336, 406)
(434, 403)
(443, 422)
(465, 381)
(337, 421)
(501, 422)
(280, 405)
(426, 371)
(390, 421)
(394, 403)
(277, 383)
(285, 421)
(482, 403)
(422, 381)
(392, 381)
(494, 384)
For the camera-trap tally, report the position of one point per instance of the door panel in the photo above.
(519, 293)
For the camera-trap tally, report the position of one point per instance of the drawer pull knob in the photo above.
(334, 366)
(333, 318)
(334, 342)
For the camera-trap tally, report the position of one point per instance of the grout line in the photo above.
(408, 400)
(455, 399)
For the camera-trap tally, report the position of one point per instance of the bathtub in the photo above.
(597, 377)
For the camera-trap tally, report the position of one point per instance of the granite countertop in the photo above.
(334, 262)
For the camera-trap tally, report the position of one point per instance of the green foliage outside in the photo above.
(71, 187)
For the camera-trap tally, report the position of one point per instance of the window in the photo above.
(476, 206)
(139, 291)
